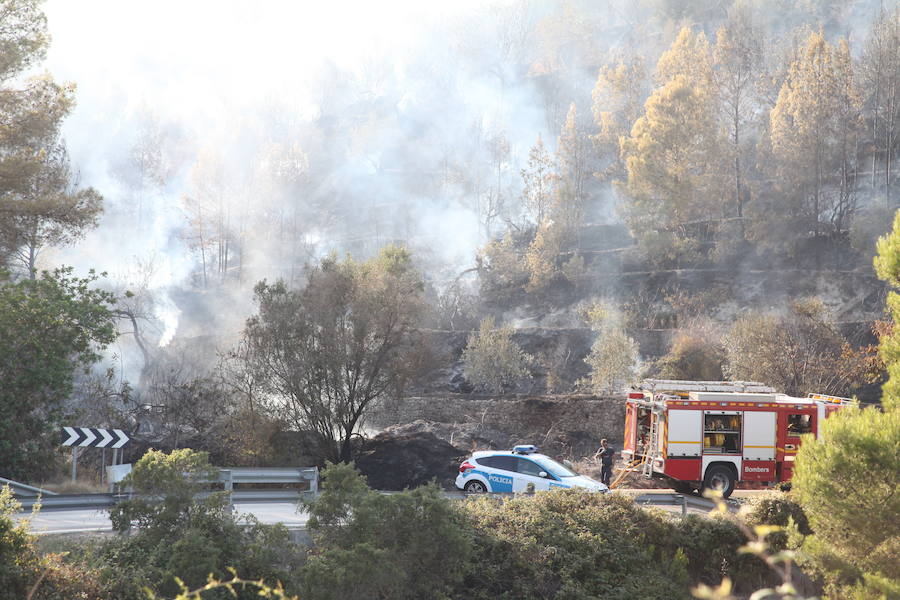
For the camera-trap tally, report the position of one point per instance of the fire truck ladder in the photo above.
(652, 446)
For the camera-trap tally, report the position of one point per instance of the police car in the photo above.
(513, 471)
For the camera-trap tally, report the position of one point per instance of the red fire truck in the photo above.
(712, 434)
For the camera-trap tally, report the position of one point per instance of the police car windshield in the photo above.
(551, 466)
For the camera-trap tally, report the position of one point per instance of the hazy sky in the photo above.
(196, 54)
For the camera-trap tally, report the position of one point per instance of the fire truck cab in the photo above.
(712, 434)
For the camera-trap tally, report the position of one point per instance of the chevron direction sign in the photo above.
(91, 437)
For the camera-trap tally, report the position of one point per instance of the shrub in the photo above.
(26, 573)
(777, 508)
(369, 545)
(797, 351)
(711, 545)
(613, 356)
(847, 482)
(572, 544)
(181, 536)
(493, 360)
(692, 356)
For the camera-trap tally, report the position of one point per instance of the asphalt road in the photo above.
(81, 520)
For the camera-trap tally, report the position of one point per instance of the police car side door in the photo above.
(500, 473)
(529, 471)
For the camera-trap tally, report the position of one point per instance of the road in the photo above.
(80, 520)
(86, 520)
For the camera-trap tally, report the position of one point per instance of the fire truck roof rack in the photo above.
(831, 399)
(684, 386)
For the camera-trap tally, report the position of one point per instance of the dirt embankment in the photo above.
(435, 433)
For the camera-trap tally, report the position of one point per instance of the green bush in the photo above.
(180, 536)
(572, 544)
(777, 508)
(27, 573)
(711, 545)
(564, 544)
(414, 544)
(847, 482)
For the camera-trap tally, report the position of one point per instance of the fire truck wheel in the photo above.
(720, 478)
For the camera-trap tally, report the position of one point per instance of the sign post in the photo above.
(88, 437)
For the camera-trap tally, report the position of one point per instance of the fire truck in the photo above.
(712, 434)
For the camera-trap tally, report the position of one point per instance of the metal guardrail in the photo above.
(675, 500)
(307, 480)
(231, 476)
(24, 490)
(70, 501)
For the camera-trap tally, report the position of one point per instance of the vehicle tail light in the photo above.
(465, 467)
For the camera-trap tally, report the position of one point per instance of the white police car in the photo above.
(512, 471)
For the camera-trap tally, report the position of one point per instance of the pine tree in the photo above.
(39, 201)
(618, 100)
(672, 154)
(880, 74)
(887, 266)
(572, 165)
(538, 177)
(737, 56)
(812, 127)
(670, 158)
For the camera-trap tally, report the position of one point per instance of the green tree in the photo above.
(812, 132)
(347, 338)
(617, 102)
(737, 58)
(414, 544)
(49, 329)
(492, 359)
(501, 268)
(847, 482)
(40, 203)
(847, 479)
(573, 173)
(542, 256)
(672, 153)
(887, 266)
(50, 212)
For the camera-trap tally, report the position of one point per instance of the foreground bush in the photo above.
(780, 509)
(26, 573)
(571, 544)
(414, 544)
(180, 536)
(847, 483)
(565, 544)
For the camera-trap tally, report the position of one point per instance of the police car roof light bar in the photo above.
(525, 449)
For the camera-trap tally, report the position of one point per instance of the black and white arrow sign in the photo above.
(89, 437)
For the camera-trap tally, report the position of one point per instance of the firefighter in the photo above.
(605, 453)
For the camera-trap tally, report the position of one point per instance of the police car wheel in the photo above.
(475, 487)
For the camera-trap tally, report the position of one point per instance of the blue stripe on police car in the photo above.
(499, 483)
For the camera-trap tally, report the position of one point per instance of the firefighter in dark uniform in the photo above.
(605, 454)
